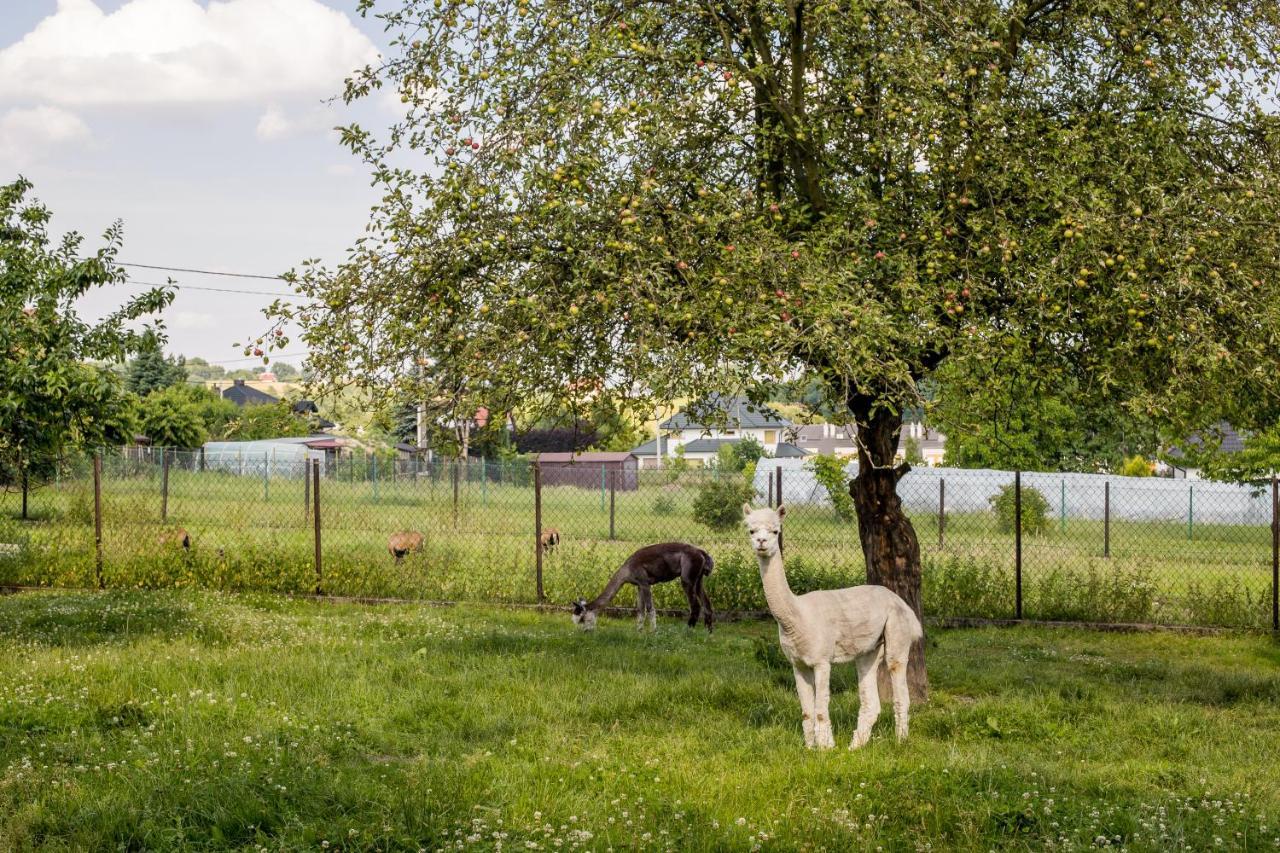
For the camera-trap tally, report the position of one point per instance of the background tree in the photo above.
(51, 399)
(150, 370)
(198, 368)
(691, 196)
(269, 420)
(171, 418)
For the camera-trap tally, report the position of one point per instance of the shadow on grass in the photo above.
(84, 619)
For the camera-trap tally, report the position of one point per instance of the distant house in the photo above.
(1178, 466)
(245, 395)
(698, 440)
(829, 439)
(933, 444)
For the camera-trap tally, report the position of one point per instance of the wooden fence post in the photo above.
(315, 494)
(1017, 543)
(537, 524)
(164, 485)
(779, 468)
(97, 518)
(613, 497)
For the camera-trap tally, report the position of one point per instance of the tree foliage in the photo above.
(171, 418)
(51, 399)
(150, 370)
(269, 420)
(828, 470)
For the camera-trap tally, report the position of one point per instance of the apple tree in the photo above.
(52, 398)
(669, 198)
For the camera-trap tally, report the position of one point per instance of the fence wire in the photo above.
(1059, 547)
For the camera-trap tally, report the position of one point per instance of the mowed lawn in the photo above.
(185, 720)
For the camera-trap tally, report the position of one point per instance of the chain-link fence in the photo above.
(994, 544)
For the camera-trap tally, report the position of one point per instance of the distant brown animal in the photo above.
(175, 536)
(403, 542)
(549, 539)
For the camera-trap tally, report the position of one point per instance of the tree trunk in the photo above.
(889, 543)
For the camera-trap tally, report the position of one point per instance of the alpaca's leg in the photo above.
(868, 697)
(691, 593)
(822, 732)
(644, 599)
(653, 613)
(707, 613)
(804, 687)
(901, 696)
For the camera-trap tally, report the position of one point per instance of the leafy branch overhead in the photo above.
(699, 193)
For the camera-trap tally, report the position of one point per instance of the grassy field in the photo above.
(200, 721)
(252, 532)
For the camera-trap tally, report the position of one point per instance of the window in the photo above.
(771, 436)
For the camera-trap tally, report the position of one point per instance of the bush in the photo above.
(1035, 510)
(828, 470)
(664, 505)
(1137, 466)
(719, 502)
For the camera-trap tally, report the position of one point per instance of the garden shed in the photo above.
(590, 470)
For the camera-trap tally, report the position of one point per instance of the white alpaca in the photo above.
(865, 624)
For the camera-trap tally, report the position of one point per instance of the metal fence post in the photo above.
(266, 476)
(1106, 519)
(942, 512)
(202, 459)
(484, 481)
(374, 476)
(97, 518)
(602, 486)
(770, 491)
(537, 524)
(164, 485)
(306, 488)
(456, 472)
(1017, 543)
(779, 469)
(1191, 511)
(613, 497)
(1062, 508)
(315, 515)
(1275, 553)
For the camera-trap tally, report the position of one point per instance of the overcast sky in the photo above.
(201, 125)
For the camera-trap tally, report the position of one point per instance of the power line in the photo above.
(255, 358)
(201, 272)
(209, 289)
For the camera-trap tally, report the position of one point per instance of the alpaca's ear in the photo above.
(746, 510)
(781, 510)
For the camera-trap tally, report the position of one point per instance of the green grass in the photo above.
(198, 721)
(252, 534)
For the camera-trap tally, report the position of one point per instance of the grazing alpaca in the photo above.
(175, 536)
(655, 564)
(403, 542)
(866, 624)
(549, 539)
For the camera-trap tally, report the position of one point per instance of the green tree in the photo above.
(911, 452)
(198, 368)
(270, 420)
(171, 418)
(682, 197)
(51, 400)
(1255, 463)
(150, 370)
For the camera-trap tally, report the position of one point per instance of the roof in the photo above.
(647, 449)
(789, 451)
(406, 447)
(742, 414)
(586, 458)
(707, 445)
(243, 395)
(824, 438)
(1232, 441)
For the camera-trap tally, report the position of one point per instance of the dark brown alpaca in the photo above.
(549, 539)
(646, 567)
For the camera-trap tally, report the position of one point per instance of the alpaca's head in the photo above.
(764, 526)
(584, 617)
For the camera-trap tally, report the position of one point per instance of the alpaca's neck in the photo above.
(611, 588)
(777, 592)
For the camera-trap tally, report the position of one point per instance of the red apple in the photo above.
(728, 75)
(794, 254)
(880, 256)
(450, 151)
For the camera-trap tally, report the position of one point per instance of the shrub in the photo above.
(911, 452)
(1035, 510)
(718, 503)
(1137, 466)
(664, 505)
(828, 470)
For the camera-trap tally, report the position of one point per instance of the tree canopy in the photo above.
(676, 197)
(151, 370)
(51, 398)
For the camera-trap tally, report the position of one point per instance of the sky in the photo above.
(203, 126)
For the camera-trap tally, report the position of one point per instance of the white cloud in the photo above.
(276, 123)
(189, 320)
(26, 134)
(177, 51)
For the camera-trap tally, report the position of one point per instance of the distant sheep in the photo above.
(549, 539)
(403, 542)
